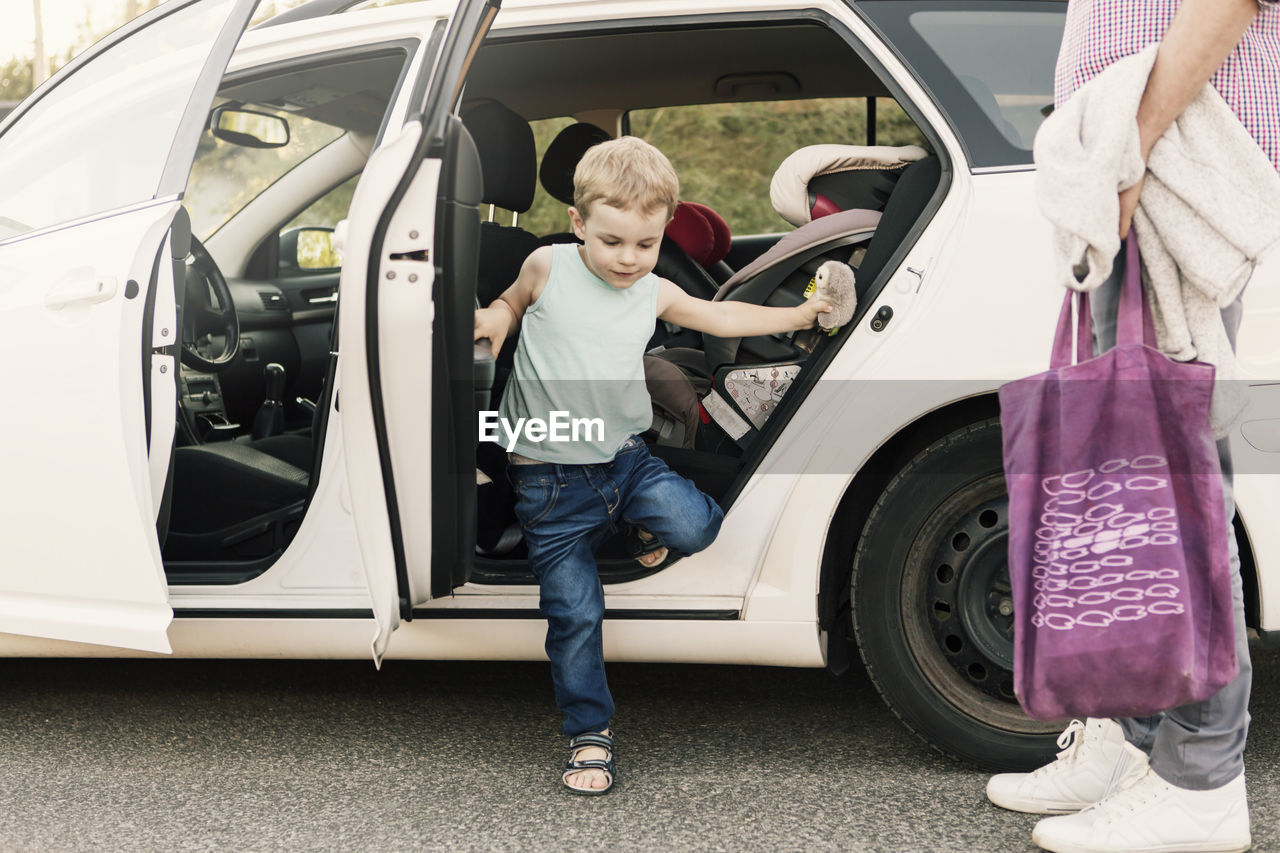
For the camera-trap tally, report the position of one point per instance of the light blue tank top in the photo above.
(581, 353)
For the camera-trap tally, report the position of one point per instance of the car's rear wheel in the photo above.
(932, 610)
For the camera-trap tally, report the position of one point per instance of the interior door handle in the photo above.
(86, 290)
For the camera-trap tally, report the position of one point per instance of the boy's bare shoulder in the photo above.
(535, 271)
(539, 259)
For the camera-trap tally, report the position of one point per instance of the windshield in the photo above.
(988, 63)
(100, 138)
(226, 176)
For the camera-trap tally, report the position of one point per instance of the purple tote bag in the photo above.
(1117, 530)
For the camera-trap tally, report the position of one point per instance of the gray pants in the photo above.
(1198, 746)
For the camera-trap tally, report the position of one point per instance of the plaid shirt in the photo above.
(1098, 32)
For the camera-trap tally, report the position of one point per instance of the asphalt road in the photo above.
(226, 755)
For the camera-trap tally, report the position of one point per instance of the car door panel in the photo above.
(391, 275)
(356, 384)
(82, 561)
(94, 164)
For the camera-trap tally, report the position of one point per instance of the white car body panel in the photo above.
(405, 313)
(363, 460)
(1255, 447)
(102, 581)
(974, 296)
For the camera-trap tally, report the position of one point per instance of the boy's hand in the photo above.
(493, 323)
(810, 309)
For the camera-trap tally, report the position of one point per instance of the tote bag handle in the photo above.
(1134, 323)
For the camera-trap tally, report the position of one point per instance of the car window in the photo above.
(547, 215)
(726, 154)
(129, 101)
(226, 176)
(328, 210)
(306, 241)
(730, 177)
(988, 63)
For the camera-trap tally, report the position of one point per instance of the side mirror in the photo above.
(248, 128)
(308, 248)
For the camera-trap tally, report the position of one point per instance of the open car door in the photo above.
(92, 232)
(405, 318)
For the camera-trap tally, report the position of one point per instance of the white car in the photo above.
(863, 490)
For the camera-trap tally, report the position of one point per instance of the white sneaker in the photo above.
(1151, 816)
(1092, 762)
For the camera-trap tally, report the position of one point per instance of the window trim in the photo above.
(984, 146)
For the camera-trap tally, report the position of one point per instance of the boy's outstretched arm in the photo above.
(734, 319)
(503, 315)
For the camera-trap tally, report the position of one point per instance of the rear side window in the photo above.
(987, 63)
(726, 154)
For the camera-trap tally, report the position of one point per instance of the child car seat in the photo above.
(866, 239)
(819, 180)
(855, 174)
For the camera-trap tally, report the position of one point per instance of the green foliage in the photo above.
(726, 154)
(226, 177)
(16, 74)
(316, 252)
(15, 79)
(329, 209)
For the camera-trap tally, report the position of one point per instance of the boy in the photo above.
(588, 313)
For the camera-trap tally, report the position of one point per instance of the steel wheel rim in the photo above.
(954, 589)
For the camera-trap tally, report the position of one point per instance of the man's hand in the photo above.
(494, 323)
(1129, 204)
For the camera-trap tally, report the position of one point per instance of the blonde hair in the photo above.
(625, 173)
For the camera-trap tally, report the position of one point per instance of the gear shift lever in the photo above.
(270, 418)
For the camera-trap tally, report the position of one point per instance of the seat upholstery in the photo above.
(693, 250)
(508, 160)
(228, 482)
(561, 158)
(910, 196)
(818, 180)
(755, 282)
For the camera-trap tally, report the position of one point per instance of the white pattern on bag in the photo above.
(1065, 581)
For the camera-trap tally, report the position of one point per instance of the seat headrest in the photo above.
(562, 156)
(701, 232)
(508, 157)
(791, 191)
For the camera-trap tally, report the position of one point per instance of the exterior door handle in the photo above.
(86, 290)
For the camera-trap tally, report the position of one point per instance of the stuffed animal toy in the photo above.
(834, 282)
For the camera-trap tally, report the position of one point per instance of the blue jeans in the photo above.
(566, 512)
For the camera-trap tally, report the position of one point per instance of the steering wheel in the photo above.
(202, 319)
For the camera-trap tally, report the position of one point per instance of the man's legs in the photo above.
(1198, 746)
(1192, 797)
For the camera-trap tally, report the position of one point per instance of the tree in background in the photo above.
(15, 79)
(40, 64)
(20, 75)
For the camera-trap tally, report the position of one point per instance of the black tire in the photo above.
(932, 611)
